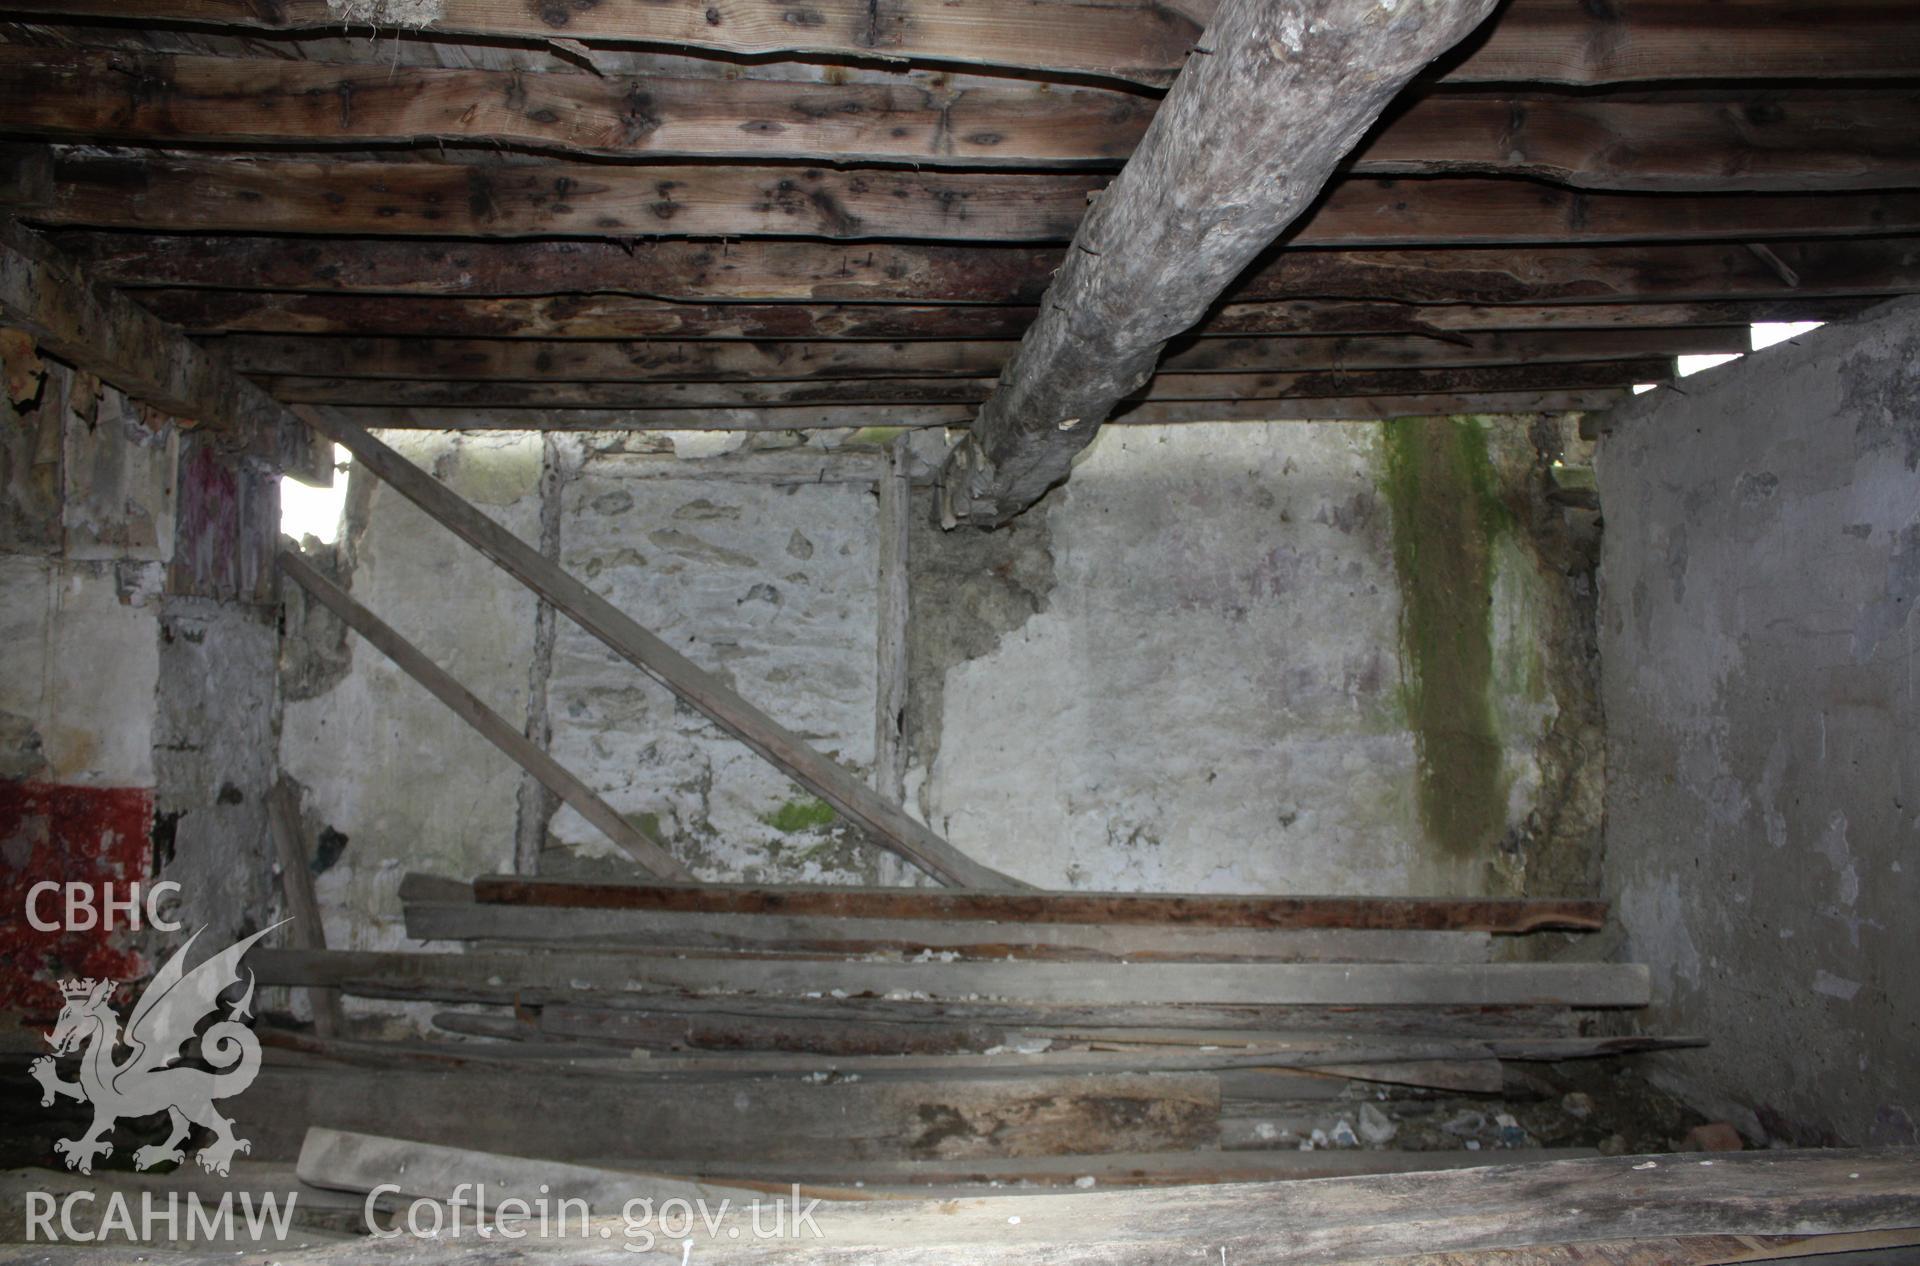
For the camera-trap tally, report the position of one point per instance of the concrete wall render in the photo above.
(1761, 565)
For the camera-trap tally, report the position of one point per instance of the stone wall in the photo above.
(1193, 667)
(1761, 566)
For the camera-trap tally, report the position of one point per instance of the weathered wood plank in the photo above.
(679, 272)
(1164, 393)
(805, 417)
(1537, 41)
(296, 885)
(99, 95)
(602, 1116)
(727, 1019)
(893, 518)
(881, 1034)
(1774, 140)
(560, 362)
(889, 824)
(1449, 914)
(1127, 1170)
(840, 936)
(1131, 40)
(1500, 1211)
(208, 312)
(87, 323)
(487, 199)
(344, 1160)
(1286, 984)
(496, 200)
(1544, 41)
(648, 853)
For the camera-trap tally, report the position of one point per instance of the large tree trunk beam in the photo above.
(648, 853)
(888, 824)
(1243, 144)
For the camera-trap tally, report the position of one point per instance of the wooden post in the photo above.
(1246, 139)
(826, 778)
(648, 852)
(296, 882)
(890, 694)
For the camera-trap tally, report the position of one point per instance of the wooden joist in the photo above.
(1434, 914)
(694, 272)
(888, 824)
(296, 886)
(1166, 394)
(1539, 41)
(648, 853)
(496, 975)
(1131, 40)
(622, 317)
(97, 329)
(1798, 139)
(842, 416)
(497, 199)
(561, 362)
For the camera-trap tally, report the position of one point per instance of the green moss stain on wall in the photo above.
(796, 816)
(1447, 520)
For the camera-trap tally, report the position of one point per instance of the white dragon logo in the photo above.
(162, 1022)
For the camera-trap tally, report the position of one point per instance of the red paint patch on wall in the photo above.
(84, 835)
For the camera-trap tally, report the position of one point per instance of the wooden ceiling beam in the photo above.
(1534, 41)
(212, 312)
(1236, 388)
(578, 275)
(560, 364)
(849, 417)
(91, 326)
(1760, 140)
(484, 199)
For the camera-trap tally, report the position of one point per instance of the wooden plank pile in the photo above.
(926, 1038)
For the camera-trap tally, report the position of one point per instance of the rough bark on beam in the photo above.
(1541, 41)
(578, 274)
(490, 199)
(1242, 145)
(563, 362)
(1816, 139)
(87, 323)
(1241, 392)
(839, 417)
(887, 824)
